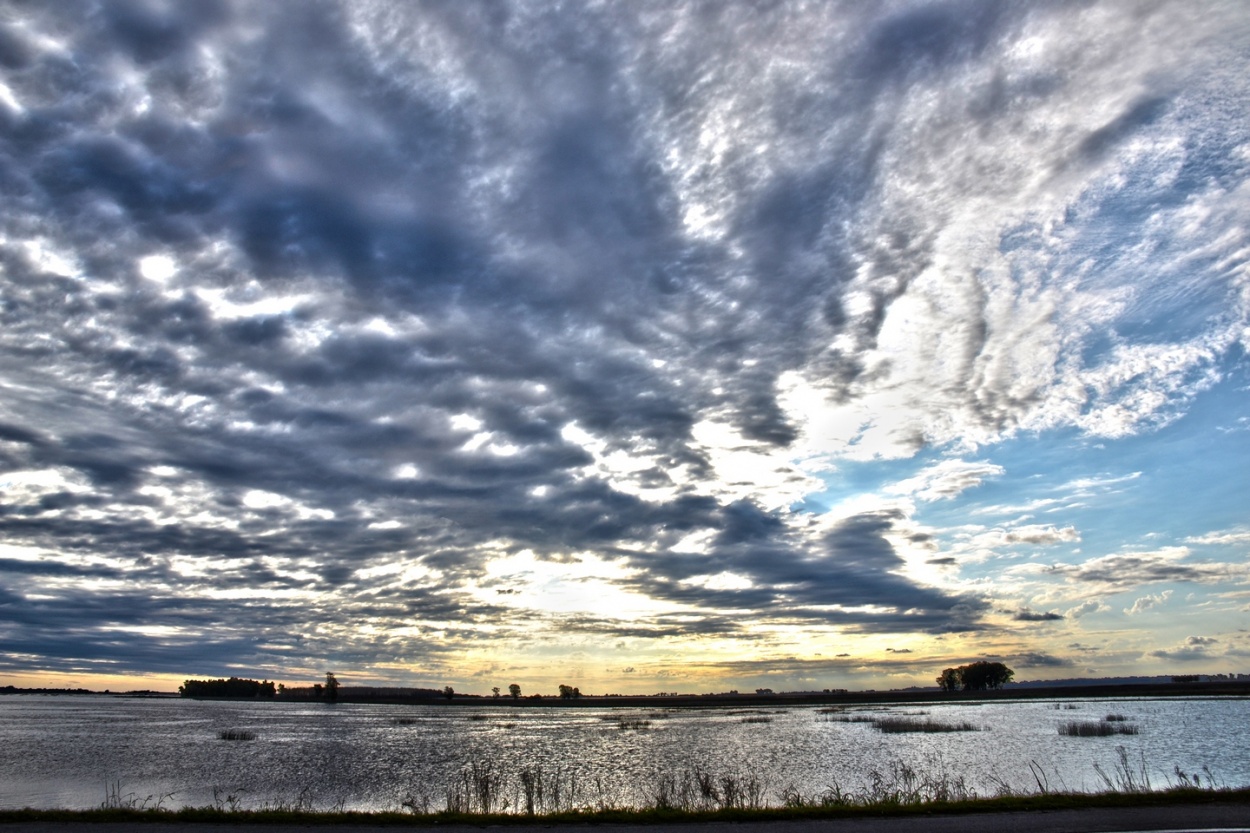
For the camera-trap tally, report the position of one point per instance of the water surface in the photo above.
(73, 752)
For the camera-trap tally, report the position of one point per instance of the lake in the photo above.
(76, 751)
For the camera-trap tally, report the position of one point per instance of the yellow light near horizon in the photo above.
(167, 683)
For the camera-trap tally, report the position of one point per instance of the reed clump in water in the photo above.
(236, 734)
(833, 717)
(900, 725)
(1096, 729)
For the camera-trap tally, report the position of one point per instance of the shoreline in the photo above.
(1087, 692)
(1227, 688)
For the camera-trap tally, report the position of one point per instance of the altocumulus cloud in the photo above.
(367, 336)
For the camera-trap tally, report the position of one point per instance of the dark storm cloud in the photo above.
(1041, 660)
(851, 580)
(1024, 614)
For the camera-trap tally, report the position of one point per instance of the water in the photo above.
(73, 752)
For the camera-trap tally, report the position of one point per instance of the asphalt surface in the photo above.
(1187, 818)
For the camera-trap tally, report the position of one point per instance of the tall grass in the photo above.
(699, 790)
(896, 785)
(1096, 729)
(899, 725)
(1125, 777)
(115, 799)
(483, 788)
(832, 717)
(486, 788)
(236, 734)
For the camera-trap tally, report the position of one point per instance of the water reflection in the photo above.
(76, 751)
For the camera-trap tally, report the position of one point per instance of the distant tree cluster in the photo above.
(329, 692)
(977, 676)
(233, 687)
(569, 692)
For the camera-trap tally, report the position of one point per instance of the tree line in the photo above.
(234, 687)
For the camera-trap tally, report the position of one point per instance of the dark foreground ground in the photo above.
(1231, 816)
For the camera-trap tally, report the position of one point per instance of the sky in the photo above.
(651, 346)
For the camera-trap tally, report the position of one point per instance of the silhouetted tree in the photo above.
(495, 690)
(949, 680)
(234, 688)
(568, 692)
(982, 675)
(332, 688)
(515, 691)
(976, 676)
(449, 692)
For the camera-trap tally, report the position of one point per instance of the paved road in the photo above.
(1207, 817)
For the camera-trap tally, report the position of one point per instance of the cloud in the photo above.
(1128, 570)
(1233, 537)
(1024, 614)
(1085, 608)
(976, 544)
(1042, 660)
(1194, 648)
(1145, 603)
(946, 479)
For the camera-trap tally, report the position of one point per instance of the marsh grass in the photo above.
(900, 725)
(236, 734)
(757, 718)
(1124, 776)
(895, 724)
(633, 723)
(700, 791)
(479, 790)
(405, 721)
(897, 785)
(484, 789)
(1096, 729)
(115, 799)
(485, 792)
